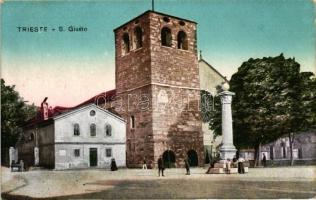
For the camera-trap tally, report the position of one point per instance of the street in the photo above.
(286, 182)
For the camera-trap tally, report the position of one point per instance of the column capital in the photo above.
(226, 97)
(226, 93)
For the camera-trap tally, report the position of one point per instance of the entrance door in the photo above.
(169, 159)
(93, 157)
(193, 158)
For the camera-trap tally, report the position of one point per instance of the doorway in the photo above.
(93, 154)
(193, 158)
(169, 159)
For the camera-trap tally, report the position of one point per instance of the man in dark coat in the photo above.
(187, 166)
(113, 165)
(264, 160)
(161, 166)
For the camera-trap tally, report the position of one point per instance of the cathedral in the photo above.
(158, 84)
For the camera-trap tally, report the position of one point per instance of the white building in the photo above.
(210, 81)
(83, 137)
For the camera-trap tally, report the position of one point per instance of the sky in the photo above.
(70, 67)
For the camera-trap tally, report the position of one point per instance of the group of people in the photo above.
(161, 166)
(236, 162)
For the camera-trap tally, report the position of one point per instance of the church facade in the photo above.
(83, 137)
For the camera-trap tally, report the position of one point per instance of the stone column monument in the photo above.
(227, 150)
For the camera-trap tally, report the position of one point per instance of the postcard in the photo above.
(158, 99)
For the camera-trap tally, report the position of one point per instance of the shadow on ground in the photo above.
(166, 189)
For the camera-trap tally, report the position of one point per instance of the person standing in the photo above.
(264, 160)
(144, 164)
(228, 163)
(187, 166)
(161, 166)
(113, 165)
(241, 168)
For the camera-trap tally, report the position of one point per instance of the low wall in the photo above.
(288, 162)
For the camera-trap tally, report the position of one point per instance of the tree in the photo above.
(267, 101)
(303, 114)
(14, 113)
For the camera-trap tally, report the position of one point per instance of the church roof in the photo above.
(209, 65)
(88, 106)
(58, 110)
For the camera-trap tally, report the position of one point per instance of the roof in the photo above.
(91, 105)
(151, 11)
(58, 110)
(224, 77)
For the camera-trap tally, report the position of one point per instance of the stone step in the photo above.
(219, 165)
(217, 171)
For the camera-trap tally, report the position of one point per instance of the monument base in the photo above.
(227, 152)
(221, 168)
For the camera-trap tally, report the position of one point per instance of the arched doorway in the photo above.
(169, 158)
(193, 158)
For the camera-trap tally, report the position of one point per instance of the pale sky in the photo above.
(69, 68)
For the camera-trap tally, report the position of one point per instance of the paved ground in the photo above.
(286, 182)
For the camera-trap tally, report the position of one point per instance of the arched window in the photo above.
(138, 37)
(126, 43)
(76, 129)
(108, 130)
(182, 40)
(166, 37)
(93, 130)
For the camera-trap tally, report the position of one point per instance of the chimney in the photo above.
(44, 108)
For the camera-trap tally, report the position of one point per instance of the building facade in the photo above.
(210, 81)
(84, 137)
(304, 145)
(158, 86)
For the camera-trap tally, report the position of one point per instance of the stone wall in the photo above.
(177, 124)
(43, 136)
(142, 74)
(46, 146)
(139, 139)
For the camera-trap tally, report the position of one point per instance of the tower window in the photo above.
(126, 43)
(166, 37)
(93, 131)
(132, 121)
(166, 19)
(76, 129)
(138, 37)
(182, 23)
(182, 40)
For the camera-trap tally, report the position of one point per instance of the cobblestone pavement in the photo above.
(285, 182)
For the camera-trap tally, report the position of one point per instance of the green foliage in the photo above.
(271, 97)
(14, 113)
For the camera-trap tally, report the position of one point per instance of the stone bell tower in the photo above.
(158, 91)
